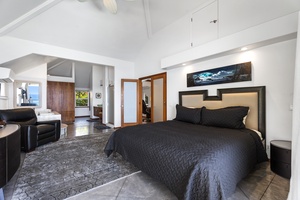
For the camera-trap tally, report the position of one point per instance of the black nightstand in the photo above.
(281, 158)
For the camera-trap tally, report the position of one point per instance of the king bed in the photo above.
(213, 143)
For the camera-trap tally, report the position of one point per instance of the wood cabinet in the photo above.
(61, 98)
(98, 112)
(281, 158)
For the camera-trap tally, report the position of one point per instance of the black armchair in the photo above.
(33, 133)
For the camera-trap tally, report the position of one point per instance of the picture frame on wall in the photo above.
(227, 74)
(98, 95)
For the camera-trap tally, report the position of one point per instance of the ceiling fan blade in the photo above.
(111, 6)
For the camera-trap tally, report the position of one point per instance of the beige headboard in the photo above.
(254, 97)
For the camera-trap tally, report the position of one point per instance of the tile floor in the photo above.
(260, 184)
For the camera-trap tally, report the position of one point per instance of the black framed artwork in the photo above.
(227, 74)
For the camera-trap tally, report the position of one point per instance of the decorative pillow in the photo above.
(229, 117)
(191, 115)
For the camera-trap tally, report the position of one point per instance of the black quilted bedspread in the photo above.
(193, 161)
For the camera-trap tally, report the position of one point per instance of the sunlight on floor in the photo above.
(80, 131)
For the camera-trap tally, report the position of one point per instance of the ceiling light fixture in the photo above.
(111, 6)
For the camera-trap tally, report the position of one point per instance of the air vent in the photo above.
(6, 80)
(6, 75)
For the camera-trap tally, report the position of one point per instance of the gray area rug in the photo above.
(68, 167)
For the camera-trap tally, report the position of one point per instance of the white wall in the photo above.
(234, 16)
(237, 15)
(12, 48)
(295, 178)
(173, 39)
(272, 66)
(97, 76)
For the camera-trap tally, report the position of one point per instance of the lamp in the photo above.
(111, 6)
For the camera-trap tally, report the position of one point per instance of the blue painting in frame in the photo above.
(228, 74)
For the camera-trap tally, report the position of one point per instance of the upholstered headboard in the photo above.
(254, 97)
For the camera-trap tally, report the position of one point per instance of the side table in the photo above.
(281, 158)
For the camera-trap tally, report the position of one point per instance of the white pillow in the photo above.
(258, 133)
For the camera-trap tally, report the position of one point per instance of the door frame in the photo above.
(140, 95)
(123, 124)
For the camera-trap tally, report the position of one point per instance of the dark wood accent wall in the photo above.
(61, 98)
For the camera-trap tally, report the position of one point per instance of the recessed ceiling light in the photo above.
(183, 64)
(244, 49)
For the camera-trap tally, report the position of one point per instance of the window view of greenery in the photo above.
(82, 98)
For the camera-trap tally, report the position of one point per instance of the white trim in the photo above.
(283, 29)
(27, 16)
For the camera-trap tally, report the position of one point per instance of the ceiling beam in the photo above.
(56, 65)
(27, 16)
(147, 18)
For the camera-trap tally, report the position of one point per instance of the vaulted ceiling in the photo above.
(87, 26)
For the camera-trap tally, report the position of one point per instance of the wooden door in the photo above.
(61, 98)
(129, 104)
(158, 97)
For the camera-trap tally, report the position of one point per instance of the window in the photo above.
(2, 89)
(81, 98)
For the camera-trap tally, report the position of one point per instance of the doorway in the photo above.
(110, 106)
(146, 100)
(153, 98)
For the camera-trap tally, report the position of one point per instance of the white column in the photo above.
(294, 193)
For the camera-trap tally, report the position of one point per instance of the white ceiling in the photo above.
(88, 26)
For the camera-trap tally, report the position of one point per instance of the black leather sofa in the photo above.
(33, 133)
